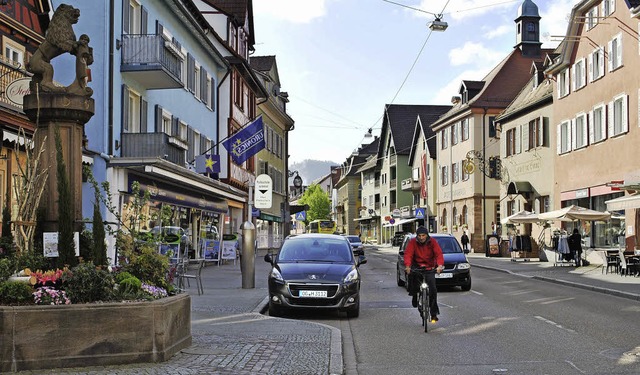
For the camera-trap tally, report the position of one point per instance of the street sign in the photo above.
(419, 213)
(301, 216)
(264, 190)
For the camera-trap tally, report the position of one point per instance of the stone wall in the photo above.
(47, 337)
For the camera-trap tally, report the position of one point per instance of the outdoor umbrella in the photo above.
(572, 213)
(522, 217)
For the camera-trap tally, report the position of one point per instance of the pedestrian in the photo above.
(465, 242)
(575, 246)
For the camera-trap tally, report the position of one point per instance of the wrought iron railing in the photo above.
(150, 49)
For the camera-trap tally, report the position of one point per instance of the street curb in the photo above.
(631, 296)
(335, 352)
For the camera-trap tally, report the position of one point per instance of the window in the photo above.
(197, 81)
(578, 74)
(443, 218)
(564, 137)
(592, 18)
(134, 18)
(511, 207)
(465, 175)
(536, 133)
(563, 83)
(579, 131)
(465, 211)
(454, 133)
(166, 122)
(596, 64)
(133, 114)
(455, 215)
(608, 7)
(182, 130)
(618, 121)
(511, 142)
(465, 129)
(196, 143)
(13, 52)
(544, 204)
(444, 175)
(597, 122)
(615, 53)
(455, 173)
(444, 138)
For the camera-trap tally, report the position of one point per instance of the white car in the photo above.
(356, 244)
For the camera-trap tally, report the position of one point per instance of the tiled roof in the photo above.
(235, 8)
(262, 63)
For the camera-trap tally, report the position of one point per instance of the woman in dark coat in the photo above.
(575, 246)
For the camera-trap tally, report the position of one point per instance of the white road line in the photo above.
(554, 324)
(476, 292)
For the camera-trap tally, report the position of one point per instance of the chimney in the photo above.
(455, 100)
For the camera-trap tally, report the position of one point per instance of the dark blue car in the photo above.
(457, 270)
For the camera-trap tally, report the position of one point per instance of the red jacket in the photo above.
(428, 254)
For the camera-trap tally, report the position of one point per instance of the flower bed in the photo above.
(94, 334)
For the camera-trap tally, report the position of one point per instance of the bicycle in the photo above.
(423, 299)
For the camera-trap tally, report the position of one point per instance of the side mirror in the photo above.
(268, 258)
(361, 260)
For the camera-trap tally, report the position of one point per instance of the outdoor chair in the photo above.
(193, 270)
(611, 262)
(627, 266)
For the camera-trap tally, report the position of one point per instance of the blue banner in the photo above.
(247, 142)
(208, 163)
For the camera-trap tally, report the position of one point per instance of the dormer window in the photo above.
(465, 97)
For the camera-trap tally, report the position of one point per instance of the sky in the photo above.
(342, 61)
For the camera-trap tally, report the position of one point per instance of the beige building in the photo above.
(466, 136)
(596, 109)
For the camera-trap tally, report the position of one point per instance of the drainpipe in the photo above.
(110, 84)
(484, 178)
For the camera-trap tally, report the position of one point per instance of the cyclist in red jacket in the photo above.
(422, 251)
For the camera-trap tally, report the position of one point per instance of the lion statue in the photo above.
(59, 39)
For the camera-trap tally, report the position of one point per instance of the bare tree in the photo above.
(28, 187)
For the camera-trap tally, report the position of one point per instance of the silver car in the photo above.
(356, 244)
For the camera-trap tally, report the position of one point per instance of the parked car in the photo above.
(397, 238)
(356, 244)
(457, 270)
(314, 271)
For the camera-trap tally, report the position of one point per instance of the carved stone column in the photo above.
(69, 113)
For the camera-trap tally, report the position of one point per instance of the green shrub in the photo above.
(148, 266)
(7, 268)
(122, 276)
(129, 288)
(88, 283)
(32, 260)
(16, 293)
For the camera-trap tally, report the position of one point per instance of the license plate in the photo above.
(444, 275)
(312, 293)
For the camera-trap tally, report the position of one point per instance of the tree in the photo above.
(318, 202)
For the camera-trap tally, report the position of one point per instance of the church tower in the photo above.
(528, 29)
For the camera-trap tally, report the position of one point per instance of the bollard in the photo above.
(247, 261)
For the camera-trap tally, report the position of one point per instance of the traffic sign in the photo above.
(264, 190)
(301, 216)
(419, 213)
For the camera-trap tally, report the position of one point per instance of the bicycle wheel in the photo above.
(426, 315)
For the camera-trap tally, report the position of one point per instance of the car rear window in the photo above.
(449, 245)
(353, 239)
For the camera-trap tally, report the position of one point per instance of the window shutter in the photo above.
(610, 119)
(125, 109)
(610, 56)
(619, 50)
(143, 115)
(518, 130)
(573, 77)
(591, 67)
(559, 139)
(625, 113)
(612, 6)
(545, 131)
(175, 126)
(144, 20)
(125, 16)
(190, 141)
(203, 144)
(572, 132)
(191, 73)
(213, 94)
(592, 136)
(566, 83)
(601, 62)
(159, 28)
(158, 128)
(203, 84)
(585, 130)
(526, 145)
(584, 71)
(503, 146)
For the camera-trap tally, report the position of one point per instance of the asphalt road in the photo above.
(504, 325)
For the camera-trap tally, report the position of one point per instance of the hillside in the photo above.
(311, 170)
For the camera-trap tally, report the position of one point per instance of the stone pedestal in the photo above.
(68, 113)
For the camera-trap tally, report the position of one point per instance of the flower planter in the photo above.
(45, 337)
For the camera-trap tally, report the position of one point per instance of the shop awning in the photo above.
(623, 203)
(366, 218)
(400, 222)
(519, 187)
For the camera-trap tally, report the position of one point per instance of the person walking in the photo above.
(465, 242)
(575, 246)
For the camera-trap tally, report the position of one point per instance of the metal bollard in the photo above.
(247, 262)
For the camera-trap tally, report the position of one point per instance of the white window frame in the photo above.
(196, 142)
(198, 71)
(166, 122)
(596, 64)
(465, 129)
(183, 129)
(133, 117)
(444, 175)
(563, 83)
(598, 123)
(135, 17)
(579, 131)
(591, 18)
(564, 137)
(617, 115)
(13, 52)
(608, 7)
(615, 53)
(578, 74)
(455, 171)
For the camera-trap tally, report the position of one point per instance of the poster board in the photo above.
(211, 249)
(229, 249)
(172, 250)
(50, 244)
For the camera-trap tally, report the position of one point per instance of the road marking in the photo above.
(554, 324)
(476, 292)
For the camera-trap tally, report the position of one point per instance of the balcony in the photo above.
(409, 184)
(153, 145)
(151, 61)
(12, 74)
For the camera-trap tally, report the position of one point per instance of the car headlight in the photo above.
(351, 276)
(463, 266)
(275, 274)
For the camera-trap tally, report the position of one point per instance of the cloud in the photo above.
(294, 11)
(499, 31)
(554, 22)
(472, 52)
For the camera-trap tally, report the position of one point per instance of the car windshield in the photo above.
(449, 245)
(353, 239)
(314, 250)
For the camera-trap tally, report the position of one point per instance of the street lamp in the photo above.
(438, 24)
